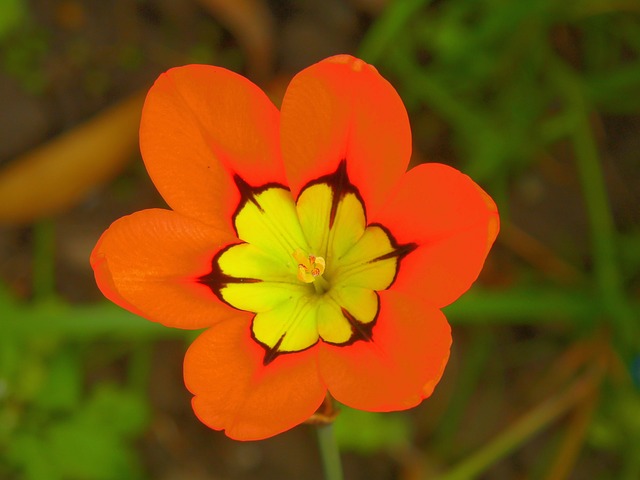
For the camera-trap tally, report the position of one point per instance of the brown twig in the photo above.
(326, 414)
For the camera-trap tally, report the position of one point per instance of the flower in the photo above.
(297, 239)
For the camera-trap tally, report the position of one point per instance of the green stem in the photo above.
(329, 452)
(598, 209)
(44, 259)
(602, 227)
(524, 305)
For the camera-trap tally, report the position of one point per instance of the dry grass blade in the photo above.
(569, 451)
(58, 174)
(528, 425)
(538, 255)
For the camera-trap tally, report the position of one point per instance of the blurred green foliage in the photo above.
(508, 80)
(90, 439)
(511, 80)
(12, 15)
(23, 46)
(366, 432)
(52, 424)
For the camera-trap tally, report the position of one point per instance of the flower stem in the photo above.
(329, 452)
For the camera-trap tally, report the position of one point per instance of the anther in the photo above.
(309, 266)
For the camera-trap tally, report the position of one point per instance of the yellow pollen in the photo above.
(309, 266)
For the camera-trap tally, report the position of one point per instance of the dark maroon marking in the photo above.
(340, 186)
(360, 331)
(399, 251)
(364, 331)
(249, 193)
(272, 353)
(216, 279)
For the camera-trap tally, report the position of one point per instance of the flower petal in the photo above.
(261, 296)
(399, 366)
(245, 260)
(269, 222)
(330, 231)
(341, 108)
(200, 125)
(453, 222)
(234, 391)
(370, 263)
(291, 326)
(149, 263)
(333, 326)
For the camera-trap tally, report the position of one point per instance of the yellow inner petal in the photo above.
(330, 239)
(269, 221)
(308, 270)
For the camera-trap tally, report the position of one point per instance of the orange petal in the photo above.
(200, 125)
(235, 392)
(148, 262)
(399, 367)
(453, 222)
(341, 108)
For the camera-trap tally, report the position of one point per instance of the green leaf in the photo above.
(29, 455)
(121, 412)
(367, 432)
(12, 14)
(81, 449)
(77, 322)
(61, 389)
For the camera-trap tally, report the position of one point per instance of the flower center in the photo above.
(309, 266)
(309, 269)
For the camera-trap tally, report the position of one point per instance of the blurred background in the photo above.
(537, 100)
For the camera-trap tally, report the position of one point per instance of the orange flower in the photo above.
(297, 239)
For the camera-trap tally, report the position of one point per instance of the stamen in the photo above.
(310, 267)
